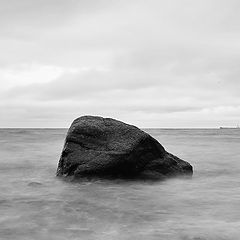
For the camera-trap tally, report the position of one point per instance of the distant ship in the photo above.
(237, 127)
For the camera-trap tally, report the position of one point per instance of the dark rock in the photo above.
(107, 148)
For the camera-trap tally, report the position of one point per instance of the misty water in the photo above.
(34, 204)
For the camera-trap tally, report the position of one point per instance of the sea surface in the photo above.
(34, 204)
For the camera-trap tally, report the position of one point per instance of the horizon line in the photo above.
(136, 126)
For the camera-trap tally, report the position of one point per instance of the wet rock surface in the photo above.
(107, 148)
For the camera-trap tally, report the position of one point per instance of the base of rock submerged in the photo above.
(97, 147)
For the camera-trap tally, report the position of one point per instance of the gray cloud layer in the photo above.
(152, 63)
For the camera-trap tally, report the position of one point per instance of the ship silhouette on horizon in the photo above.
(237, 127)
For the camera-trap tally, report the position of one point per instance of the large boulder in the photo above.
(107, 148)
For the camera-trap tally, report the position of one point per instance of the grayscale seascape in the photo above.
(80, 80)
(34, 204)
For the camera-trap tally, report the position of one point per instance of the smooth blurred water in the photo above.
(34, 204)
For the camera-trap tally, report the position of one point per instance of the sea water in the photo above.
(34, 204)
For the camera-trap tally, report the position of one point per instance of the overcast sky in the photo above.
(154, 63)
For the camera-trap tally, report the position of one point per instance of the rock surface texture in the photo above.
(107, 148)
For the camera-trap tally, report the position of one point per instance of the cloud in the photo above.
(174, 61)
